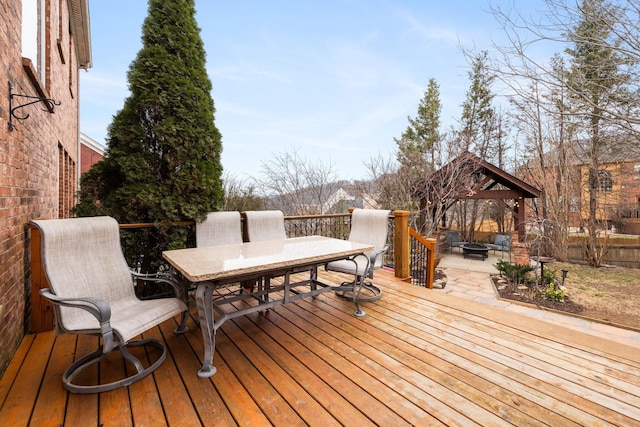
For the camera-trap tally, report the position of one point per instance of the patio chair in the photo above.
(453, 240)
(262, 226)
(501, 243)
(265, 225)
(369, 226)
(219, 228)
(92, 291)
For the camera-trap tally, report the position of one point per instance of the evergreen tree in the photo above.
(163, 157)
(599, 83)
(422, 137)
(480, 133)
(478, 114)
(416, 153)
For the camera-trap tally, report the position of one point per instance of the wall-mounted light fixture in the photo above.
(50, 104)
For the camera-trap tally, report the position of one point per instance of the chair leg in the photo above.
(182, 327)
(97, 356)
(374, 292)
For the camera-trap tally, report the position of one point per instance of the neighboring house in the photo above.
(340, 201)
(334, 198)
(90, 152)
(43, 44)
(618, 198)
(618, 184)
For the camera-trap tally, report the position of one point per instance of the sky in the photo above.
(333, 80)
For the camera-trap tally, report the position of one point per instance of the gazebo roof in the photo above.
(474, 178)
(514, 188)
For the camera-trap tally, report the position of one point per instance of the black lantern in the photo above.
(564, 275)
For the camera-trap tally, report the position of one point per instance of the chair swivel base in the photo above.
(97, 356)
(369, 292)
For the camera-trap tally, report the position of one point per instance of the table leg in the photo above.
(313, 277)
(204, 302)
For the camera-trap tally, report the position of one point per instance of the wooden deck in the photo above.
(419, 357)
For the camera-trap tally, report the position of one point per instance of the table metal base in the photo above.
(211, 315)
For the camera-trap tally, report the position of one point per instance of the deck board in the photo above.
(419, 357)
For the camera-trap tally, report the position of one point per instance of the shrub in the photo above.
(553, 293)
(516, 273)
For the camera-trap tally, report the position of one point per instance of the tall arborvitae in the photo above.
(163, 157)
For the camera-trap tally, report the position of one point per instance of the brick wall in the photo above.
(88, 157)
(30, 157)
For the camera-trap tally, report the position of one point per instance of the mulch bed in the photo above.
(534, 298)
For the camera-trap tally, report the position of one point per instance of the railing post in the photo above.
(431, 262)
(402, 250)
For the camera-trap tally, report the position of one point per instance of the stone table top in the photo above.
(228, 261)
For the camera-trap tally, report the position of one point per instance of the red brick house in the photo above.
(618, 195)
(90, 152)
(43, 44)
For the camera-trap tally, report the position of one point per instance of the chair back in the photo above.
(265, 225)
(452, 237)
(370, 226)
(503, 241)
(83, 256)
(219, 228)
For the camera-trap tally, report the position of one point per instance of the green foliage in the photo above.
(599, 82)
(163, 158)
(553, 293)
(516, 273)
(549, 275)
(477, 110)
(244, 199)
(422, 136)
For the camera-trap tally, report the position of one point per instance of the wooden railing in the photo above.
(398, 256)
(422, 259)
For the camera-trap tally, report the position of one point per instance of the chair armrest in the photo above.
(97, 307)
(178, 287)
(373, 257)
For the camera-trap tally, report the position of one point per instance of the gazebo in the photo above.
(471, 177)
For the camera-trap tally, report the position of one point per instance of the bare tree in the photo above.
(240, 195)
(295, 185)
(546, 133)
(429, 199)
(619, 25)
(598, 89)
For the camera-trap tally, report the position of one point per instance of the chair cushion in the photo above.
(128, 318)
(348, 267)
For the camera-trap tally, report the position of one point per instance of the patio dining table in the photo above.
(213, 269)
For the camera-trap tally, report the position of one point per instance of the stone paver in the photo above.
(470, 279)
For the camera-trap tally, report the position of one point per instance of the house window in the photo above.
(66, 183)
(33, 34)
(605, 182)
(574, 204)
